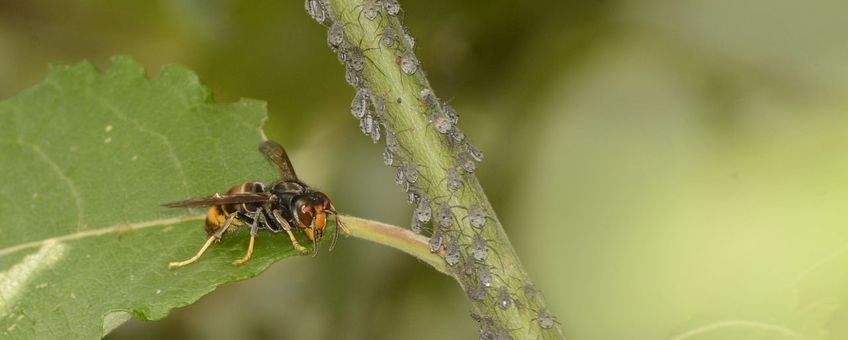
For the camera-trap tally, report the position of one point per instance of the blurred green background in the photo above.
(665, 169)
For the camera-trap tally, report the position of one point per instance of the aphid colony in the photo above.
(431, 215)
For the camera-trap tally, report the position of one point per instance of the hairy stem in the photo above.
(435, 165)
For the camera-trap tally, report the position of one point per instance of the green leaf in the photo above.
(87, 158)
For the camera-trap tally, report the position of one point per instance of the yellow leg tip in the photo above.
(173, 265)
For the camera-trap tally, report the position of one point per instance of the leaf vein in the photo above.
(164, 139)
(118, 228)
(62, 176)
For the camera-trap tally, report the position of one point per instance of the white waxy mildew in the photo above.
(15, 279)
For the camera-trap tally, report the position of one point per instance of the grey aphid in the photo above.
(469, 265)
(452, 256)
(315, 9)
(435, 241)
(388, 156)
(391, 142)
(335, 35)
(484, 275)
(410, 40)
(412, 194)
(440, 123)
(477, 293)
(366, 124)
(355, 58)
(457, 134)
(476, 217)
(370, 9)
(486, 327)
(392, 7)
(444, 216)
(428, 98)
(359, 105)
(545, 320)
(504, 299)
(416, 225)
(410, 172)
(502, 334)
(375, 132)
(474, 152)
(479, 248)
(454, 181)
(399, 176)
(342, 53)
(449, 112)
(408, 63)
(388, 37)
(352, 77)
(466, 163)
(423, 212)
(379, 104)
(405, 188)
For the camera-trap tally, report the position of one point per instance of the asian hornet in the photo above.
(284, 205)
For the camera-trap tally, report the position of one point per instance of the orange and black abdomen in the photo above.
(218, 214)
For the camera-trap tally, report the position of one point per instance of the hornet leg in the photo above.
(211, 239)
(287, 228)
(253, 228)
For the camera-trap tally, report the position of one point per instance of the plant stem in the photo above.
(435, 167)
(395, 237)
